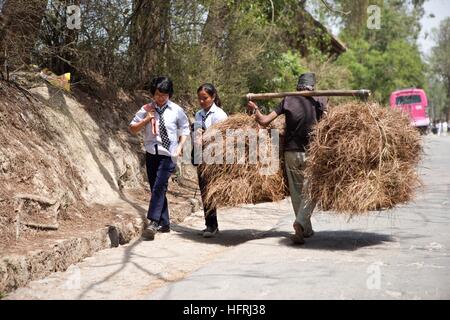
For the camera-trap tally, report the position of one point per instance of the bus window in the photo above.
(407, 100)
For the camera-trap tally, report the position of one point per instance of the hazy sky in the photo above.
(441, 10)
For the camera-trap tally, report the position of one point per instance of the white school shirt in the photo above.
(176, 123)
(215, 114)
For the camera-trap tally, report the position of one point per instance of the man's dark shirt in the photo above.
(301, 114)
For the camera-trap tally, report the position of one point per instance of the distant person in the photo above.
(434, 128)
(210, 114)
(445, 128)
(301, 114)
(161, 121)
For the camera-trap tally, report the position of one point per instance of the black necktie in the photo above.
(162, 128)
(204, 119)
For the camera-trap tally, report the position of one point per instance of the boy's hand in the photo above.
(179, 151)
(149, 107)
(149, 117)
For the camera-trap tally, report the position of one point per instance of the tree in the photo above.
(387, 59)
(238, 45)
(19, 29)
(438, 100)
(440, 59)
(149, 33)
(355, 17)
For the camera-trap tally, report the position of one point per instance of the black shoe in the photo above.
(150, 231)
(163, 229)
(210, 232)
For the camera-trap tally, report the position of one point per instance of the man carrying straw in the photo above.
(301, 114)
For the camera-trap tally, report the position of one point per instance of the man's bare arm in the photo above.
(262, 119)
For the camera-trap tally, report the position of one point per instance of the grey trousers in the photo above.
(303, 208)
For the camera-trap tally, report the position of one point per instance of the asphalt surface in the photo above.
(397, 254)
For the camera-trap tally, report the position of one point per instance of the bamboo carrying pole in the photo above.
(322, 93)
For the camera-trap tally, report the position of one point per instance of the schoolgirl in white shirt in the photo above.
(210, 114)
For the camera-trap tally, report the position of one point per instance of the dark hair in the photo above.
(163, 85)
(212, 92)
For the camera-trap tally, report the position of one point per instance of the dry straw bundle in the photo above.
(235, 184)
(363, 157)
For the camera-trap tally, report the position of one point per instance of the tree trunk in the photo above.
(148, 37)
(216, 24)
(19, 29)
(448, 96)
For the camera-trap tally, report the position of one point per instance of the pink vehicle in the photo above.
(415, 103)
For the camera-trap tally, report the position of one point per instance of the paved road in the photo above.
(398, 254)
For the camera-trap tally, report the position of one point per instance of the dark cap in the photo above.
(306, 81)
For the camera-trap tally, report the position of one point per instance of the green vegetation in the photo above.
(439, 75)
(240, 46)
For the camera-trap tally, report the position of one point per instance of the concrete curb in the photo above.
(18, 270)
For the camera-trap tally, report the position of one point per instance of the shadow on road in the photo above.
(227, 237)
(341, 240)
(126, 260)
(322, 240)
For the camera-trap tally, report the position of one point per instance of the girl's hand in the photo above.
(198, 136)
